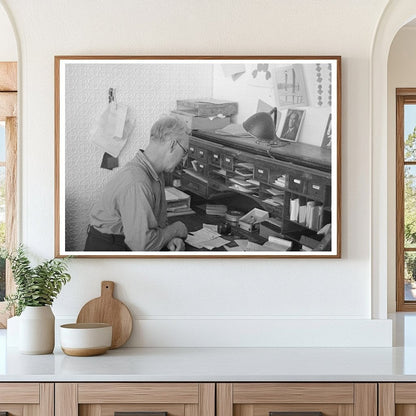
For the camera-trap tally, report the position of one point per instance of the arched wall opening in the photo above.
(383, 254)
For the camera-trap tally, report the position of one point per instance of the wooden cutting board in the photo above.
(107, 309)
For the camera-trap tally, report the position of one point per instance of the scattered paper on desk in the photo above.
(255, 247)
(215, 243)
(242, 244)
(210, 227)
(203, 238)
(233, 130)
(277, 244)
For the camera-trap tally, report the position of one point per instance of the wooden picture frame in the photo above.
(228, 175)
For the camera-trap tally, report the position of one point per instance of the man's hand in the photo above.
(180, 229)
(176, 244)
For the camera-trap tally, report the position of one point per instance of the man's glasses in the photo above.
(185, 151)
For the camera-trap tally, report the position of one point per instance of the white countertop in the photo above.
(222, 364)
(215, 364)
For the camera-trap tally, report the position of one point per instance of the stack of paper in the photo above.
(207, 238)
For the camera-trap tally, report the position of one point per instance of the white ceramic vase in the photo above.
(37, 330)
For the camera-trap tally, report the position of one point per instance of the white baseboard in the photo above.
(255, 332)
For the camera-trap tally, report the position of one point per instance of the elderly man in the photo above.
(131, 213)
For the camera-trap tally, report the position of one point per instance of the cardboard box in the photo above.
(201, 123)
(207, 107)
(252, 219)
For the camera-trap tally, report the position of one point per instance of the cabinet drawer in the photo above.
(261, 174)
(201, 154)
(214, 158)
(329, 399)
(192, 150)
(227, 162)
(316, 189)
(296, 183)
(201, 168)
(173, 399)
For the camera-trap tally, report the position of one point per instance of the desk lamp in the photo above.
(263, 127)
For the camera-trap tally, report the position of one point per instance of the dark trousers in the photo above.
(98, 241)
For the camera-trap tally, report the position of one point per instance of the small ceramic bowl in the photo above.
(83, 340)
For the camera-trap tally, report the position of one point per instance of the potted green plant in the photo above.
(36, 289)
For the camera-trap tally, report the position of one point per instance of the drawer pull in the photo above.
(316, 187)
(201, 152)
(191, 149)
(228, 160)
(140, 413)
(297, 181)
(295, 414)
(215, 156)
(260, 170)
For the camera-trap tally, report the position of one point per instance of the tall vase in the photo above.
(37, 330)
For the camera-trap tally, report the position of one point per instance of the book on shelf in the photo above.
(281, 181)
(244, 172)
(216, 209)
(242, 189)
(189, 211)
(294, 209)
(302, 214)
(241, 182)
(253, 182)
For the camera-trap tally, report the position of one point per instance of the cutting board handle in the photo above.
(107, 289)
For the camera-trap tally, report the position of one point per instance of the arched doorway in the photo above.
(8, 149)
(396, 15)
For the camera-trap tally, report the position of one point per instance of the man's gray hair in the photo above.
(168, 127)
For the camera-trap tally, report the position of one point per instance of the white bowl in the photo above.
(83, 340)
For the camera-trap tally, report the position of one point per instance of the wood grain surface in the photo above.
(107, 309)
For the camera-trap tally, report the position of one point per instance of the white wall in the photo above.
(202, 302)
(401, 74)
(8, 46)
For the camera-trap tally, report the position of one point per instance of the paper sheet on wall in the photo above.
(233, 70)
(112, 129)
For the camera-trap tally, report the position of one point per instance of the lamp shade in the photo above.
(261, 126)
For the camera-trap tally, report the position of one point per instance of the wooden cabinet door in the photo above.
(106, 399)
(26, 399)
(297, 399)
(397, 399)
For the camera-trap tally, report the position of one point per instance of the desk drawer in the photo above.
(261, 174)
(197, 187)
(227, 162)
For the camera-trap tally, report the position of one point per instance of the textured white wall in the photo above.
(147, 92)
(163, 293)
(401, 74)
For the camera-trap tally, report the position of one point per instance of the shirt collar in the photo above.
(144, 161)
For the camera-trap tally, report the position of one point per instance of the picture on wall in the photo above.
(200, 157)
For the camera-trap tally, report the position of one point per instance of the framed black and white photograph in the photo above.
(197, 156)
(292, 125)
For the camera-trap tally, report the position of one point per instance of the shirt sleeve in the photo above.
(140, 226)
